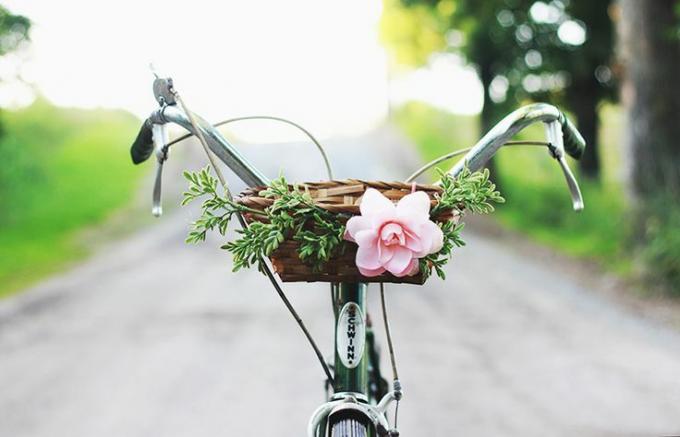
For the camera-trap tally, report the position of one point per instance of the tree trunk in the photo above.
(583, 101)
(650, 54)
(488, 116)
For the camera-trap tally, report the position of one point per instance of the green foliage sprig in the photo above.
(217, 209)
(294, 215)
(469, 191)
(437, 261)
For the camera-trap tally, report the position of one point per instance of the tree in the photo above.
(650, 57)
(13, 30)
(591, 78)
(553, 51)
(13, 33)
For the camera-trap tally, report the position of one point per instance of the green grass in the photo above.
(538, 202)
(65, 169)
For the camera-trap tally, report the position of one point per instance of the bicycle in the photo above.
(359, 396)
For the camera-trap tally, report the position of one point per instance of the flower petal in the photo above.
(373, 202)
(392, 233)
(369, 273)
(437, 237)
(368, 257)
(385, 253)
(354, 225)
(415, 204)
(412, 269)
(431, 237)
(383, 216)
(400, 261)
(366, 237)
(415, 268)
(415, 244)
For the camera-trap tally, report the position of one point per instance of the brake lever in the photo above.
(556, 147)
(574, 189)
(160, 140)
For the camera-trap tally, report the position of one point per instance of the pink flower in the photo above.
(392, 237)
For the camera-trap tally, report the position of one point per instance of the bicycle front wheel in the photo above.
(349, 428)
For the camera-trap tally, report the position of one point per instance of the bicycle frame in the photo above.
(351, 358)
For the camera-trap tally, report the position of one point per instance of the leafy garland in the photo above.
(469, 191)
(294, 215)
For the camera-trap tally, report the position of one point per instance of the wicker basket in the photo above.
(341, 197)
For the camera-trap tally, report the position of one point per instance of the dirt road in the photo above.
(152, 337)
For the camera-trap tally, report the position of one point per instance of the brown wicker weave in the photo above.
(341, 197)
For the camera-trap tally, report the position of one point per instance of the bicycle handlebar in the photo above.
(510, 126)
(563, 138)
(145, 143)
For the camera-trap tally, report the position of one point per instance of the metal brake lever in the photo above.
(163, 88)
(160, 139)
(556, 147)
(576, 197)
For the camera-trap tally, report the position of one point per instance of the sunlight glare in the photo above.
(316, 62)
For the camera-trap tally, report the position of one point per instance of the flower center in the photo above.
(392, 234)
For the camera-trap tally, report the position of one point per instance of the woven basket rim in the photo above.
(378, 184)
(342, 195)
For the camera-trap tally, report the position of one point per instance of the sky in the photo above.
(317, 62)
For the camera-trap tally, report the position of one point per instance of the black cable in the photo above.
(390, 346)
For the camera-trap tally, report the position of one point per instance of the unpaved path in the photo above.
(153, 337)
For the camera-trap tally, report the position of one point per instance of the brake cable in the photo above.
(396, 384)
(309, 135)
(458, 152)
(334, 286)
(267, 270)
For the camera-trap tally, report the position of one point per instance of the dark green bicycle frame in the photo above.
(351, 380)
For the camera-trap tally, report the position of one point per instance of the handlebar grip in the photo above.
(574, 144)
(143, 146)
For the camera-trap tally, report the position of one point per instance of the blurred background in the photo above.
(109, 324)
